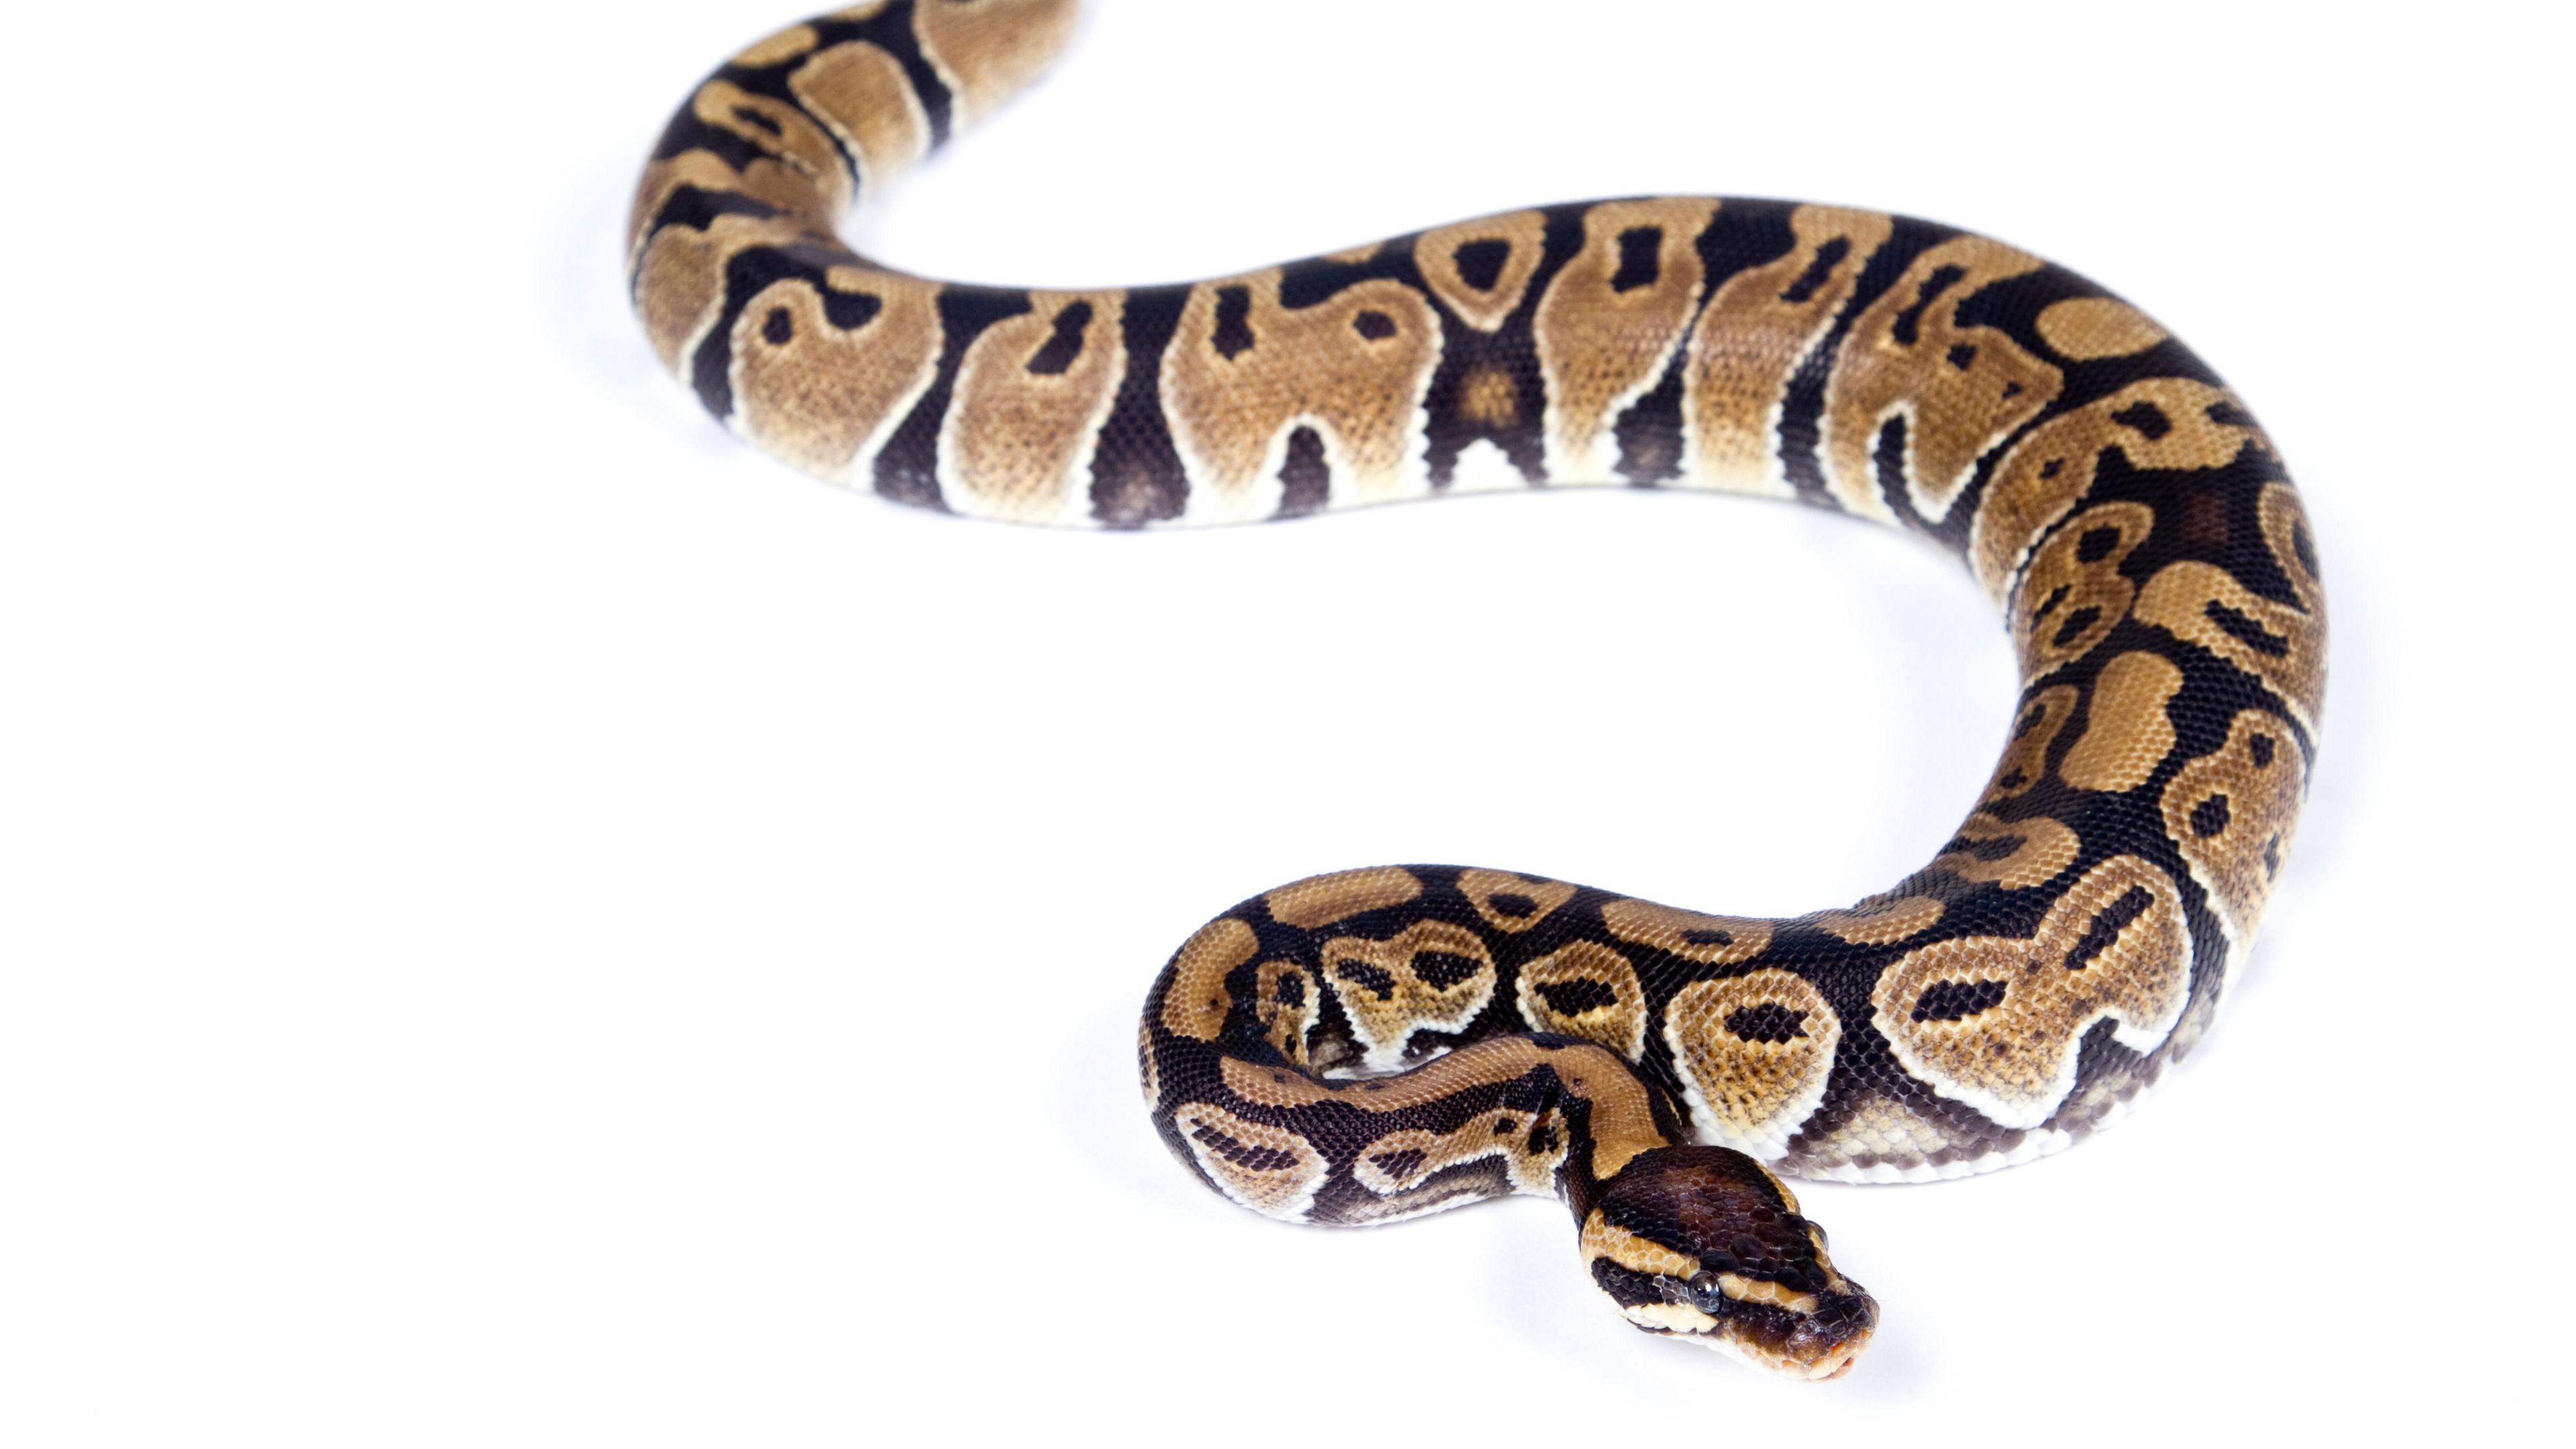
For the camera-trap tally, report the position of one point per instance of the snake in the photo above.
(1373, 1045)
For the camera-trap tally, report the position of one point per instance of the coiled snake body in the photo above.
(1381, 1043)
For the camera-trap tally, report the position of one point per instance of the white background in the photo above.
(522, 922)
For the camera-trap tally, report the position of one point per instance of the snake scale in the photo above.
(1377, 1044)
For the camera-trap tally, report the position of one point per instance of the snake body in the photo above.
(1381, 1043)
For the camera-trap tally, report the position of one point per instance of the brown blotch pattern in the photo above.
(822, 396)
(1880, 920)
(780, 131)
(1020, 432)
(2074, 593)
(1486, 308)
(1510, 902)
(2126, 730)
(1995, 1022)
(1286, 1002)
(1431, 975)
(2163, 422)
(2084, 329)
(2283, 645)
(1529, 1146)
(1962, 390)
(1691, 935)
(1271, 1170)
(1757, 328)
(1235, 386)
(1604, 336)
(862, 94)
(1584, 989)
(987, 50)
(1323, 899)
(2025, 761)
(2015, 854)
(1196, 1003)
(2232, 813)
(1754, 1052)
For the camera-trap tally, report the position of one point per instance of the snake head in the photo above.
(1703, 1243)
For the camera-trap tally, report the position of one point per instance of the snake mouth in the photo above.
(1818, 1345)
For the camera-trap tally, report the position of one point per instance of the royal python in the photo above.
(1378, 1044)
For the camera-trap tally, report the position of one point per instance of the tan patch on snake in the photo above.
(1490, 399)
(1286, 1002)
(679, 281)
(1880, 920)
(1757, 327)
(1877, 1128)
(1430, 976)
(1754, 1053)
(780, 185)
(988, 50)
(822, 396)
(2084, 329)
(1196, 1003)
(2283, 645)
(1609, 322)
(1603, 1238)
(1512, 902)
(1243, 372)
(1323, 899)
(2025, 761)
(1530, 1146)
(2163, 423)
(2016, 855)
(1961, 390)
(2073, 594)
(2126, 731)
(778, 130)
(1623, 1115)
(1585, 989)
(1511, 243)
(778, 49)
(1026, 415)
(862, 94)
(1708, 940)
(1270, 1170)
(1996, 1021)
(2232, 813)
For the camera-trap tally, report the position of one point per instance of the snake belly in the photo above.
(1381, 1043)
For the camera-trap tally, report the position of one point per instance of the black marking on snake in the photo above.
(2304, 548)
(2104, 929)
(1802, 404)
(1370, 978)
(1649, 433)
(1374, 326)
(1136, 473)
(1640, 259)
(1441, 970)
(891, 30)
(1233, 335)
(907, 470)
(2144, 418)
(2228, 415)
(1064, 347)
(1819, 271)
(751, 272)
(2096, 544)
(1574, 998)
(2246, 631)
(1887, 463)
(1768, 1022)
(1905, 328)
(779, 328)
(2260, 747)
(1958, 1000)
(1401, 1164)
(1480, 263)
(1291, 990)
(1963, 355)
(2074, 625)
(1512, 904)
(1708, 936)
(1246, 1155)
(2209, 817)
(1305, 475)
